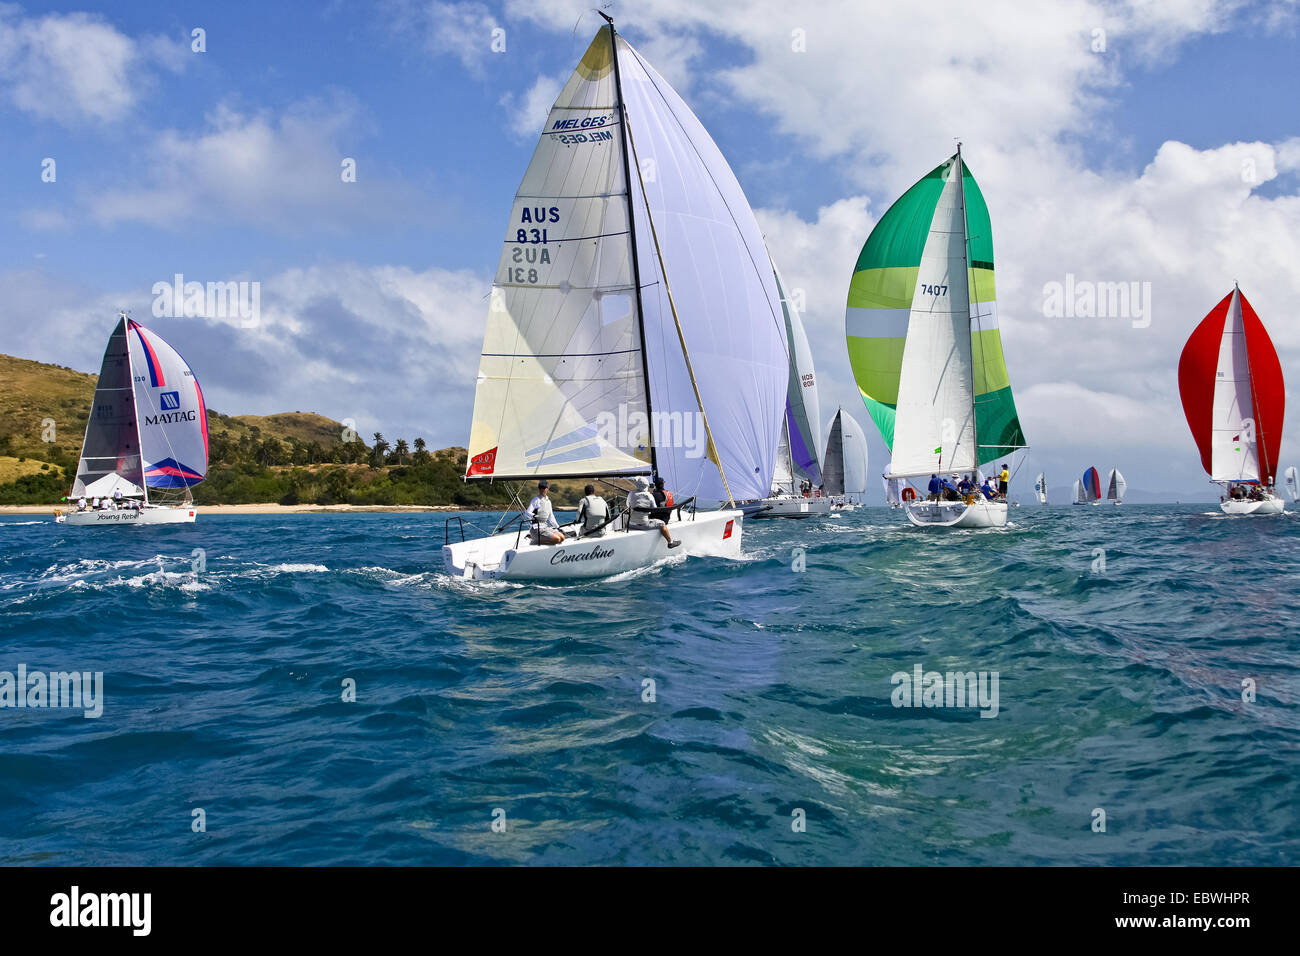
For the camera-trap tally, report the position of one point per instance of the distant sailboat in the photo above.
(1080, 493)
(1292, 483)
(1234, 398)
(1040, 488)
(146, 439)
(798, 459)
(845, 462)
(1092, 486)
(1115, 487)
(629, 312)
(922, 332)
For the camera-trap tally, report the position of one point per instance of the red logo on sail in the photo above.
(483, 464)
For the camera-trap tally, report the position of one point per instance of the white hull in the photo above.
(789, 506)
(1269, 506)
(510, 557)
(957, 514)
(124, 516)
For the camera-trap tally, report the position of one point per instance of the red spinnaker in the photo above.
(1092, 484)
(1198, 369)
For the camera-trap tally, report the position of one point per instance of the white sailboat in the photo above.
(1040, 488)
(943, 401)
(844, 471)
(629, 311)
(1292, 483)
(146, 440)
(798, 459)
(1080, 493)
(1115, 487)
(1234, 397)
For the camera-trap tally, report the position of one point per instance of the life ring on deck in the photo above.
(909, 493)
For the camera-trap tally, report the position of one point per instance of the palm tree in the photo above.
(400, 451)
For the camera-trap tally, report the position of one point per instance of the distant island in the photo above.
(291, 458)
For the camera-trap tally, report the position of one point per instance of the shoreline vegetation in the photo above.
(285, 463)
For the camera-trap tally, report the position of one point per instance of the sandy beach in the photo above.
(258, 509)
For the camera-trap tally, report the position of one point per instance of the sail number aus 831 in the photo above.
(934, 289)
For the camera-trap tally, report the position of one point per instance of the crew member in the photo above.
(640, 503)
(593, 512)
(546, 530)
(1004, 481)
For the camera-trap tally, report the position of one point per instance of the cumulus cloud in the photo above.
(77, 67)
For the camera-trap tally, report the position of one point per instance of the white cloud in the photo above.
(460, 28)
(76, 67)
(280, 172)
(526, 114)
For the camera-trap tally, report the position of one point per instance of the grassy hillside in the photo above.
(290, 457)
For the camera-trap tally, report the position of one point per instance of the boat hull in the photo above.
(511, 557)
(127, 516)
(1269, 506)
(793, 507)
(957, 514)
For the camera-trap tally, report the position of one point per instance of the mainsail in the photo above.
(845, 464)
(1115, 486)
(1080, 493)
(1230, 381)
(802, 409)
(1293, 483)
(922, 329)
(634, 297)
(148, 425)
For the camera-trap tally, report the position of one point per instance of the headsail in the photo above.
(1080, 493)
(925, 275)
(171, 413)
(1233, 394)
(844, 468)
(803, 410)
(1115, 486)
(112, 443)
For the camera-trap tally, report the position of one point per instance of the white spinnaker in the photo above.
(1233, 452)
(783, 474)
(936, 386)
(1115, 486)
(172, 418)
(112, 442)
(803, 410)
(853, 442)
(1293, 482)
(724, 291)
(561, 386)
(1040, 486)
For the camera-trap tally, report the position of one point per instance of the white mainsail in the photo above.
(1234, 455)
(634, 297)
(803, 410)
(783, 475)
(934, 424)
(1040, 486)
(844, 467)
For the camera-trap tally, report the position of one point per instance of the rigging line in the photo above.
(681, 337)
(776, 321)
(1254, 401)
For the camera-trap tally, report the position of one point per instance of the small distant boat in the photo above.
(1230, 381)
(1115, 487)
(628, 312)
(1080, 496)
(1292, 483)
(1091, 483)
(1040, 488)
(798, 457)
(922, 333)
(845, 464)
(146, 439)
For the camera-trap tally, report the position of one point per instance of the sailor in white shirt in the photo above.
(546, 530)
(639, 505)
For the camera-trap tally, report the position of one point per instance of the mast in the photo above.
(135, 407)
(631, 228)
(1265, 470)
(965, 254)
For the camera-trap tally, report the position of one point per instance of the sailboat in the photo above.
(1292, 483)
(1091, 484)
(631, 311)
(1080, 493)
(922, 332)
(798, 459)
(1040, 488)
(844, 472)
(1115, 487)
(1234, 398)
(146, 438)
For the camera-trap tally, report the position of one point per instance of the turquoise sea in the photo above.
(1147, 660)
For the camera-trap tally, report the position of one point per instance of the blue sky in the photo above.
(224, 164)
